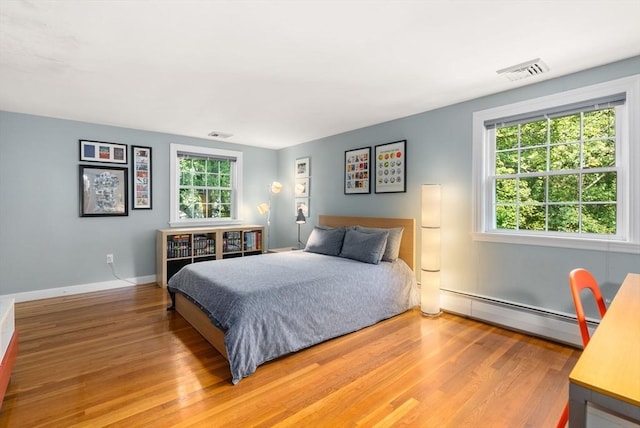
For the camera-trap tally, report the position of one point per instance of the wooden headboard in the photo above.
(408, 244)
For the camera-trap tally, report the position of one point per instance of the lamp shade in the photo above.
(276, 187)
(430, 250)
(300, 219)
(431, 198)
(430, 253)
(263, 208)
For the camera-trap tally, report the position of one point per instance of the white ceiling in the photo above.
(279, 73)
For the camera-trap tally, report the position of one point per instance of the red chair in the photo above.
(580, 279)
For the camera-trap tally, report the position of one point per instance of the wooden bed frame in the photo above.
(201, 322)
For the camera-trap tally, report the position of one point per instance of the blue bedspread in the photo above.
(274, 304)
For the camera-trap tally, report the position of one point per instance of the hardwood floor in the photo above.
(118, 358)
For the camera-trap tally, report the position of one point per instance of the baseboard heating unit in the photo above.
(557, 326)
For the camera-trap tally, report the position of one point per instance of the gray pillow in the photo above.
(392, 249)
(325, 241)
(364, 247)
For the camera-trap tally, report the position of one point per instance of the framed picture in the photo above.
(304, 204)
(99, 151)
(302, 188)
(357, 176)
(103, 191)
(141, 178)
(303, 168)
(391, 167)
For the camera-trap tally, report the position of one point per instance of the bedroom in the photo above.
(38, 173)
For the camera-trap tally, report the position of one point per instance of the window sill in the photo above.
(557, 241)
(208, 222)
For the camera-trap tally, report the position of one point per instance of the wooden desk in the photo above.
(608, 371)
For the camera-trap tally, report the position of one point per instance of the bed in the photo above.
(255, 309)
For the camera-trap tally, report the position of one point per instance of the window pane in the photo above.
(533, 134)
(225, 181)
(599, 124)
(212, 166)
(532, 189)
(599, 187)
(531, 217)
(225, 196)
(187, 196)
(185, 167)
(185, 164)
(563, 188)
(563, 218)
(506, 190)
(186, 203)
(564, 129)
(225, 210)
(533, 160)
(200, 165)
(225, 167)
(191, 203)
(211, 210)
(506, 217)
(214, 196)
(507, 162)
(186, 178)
(198, 206)
(213, 180)
(599, 153)
(507, 138)
(199, 179)
(564, 156)
(599, 218)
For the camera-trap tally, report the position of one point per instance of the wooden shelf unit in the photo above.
(176, 248)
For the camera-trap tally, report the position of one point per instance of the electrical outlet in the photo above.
(109, 259)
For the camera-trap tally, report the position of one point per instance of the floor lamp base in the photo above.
(436, 315)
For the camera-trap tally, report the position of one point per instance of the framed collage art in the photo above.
(103, 191)
(390, 165)
(302, 203)
(303, 181)
(357, 174)
(141, 178)
(303, 168)
(99, 151)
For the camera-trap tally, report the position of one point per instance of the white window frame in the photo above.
(627, 163)
(174, 177)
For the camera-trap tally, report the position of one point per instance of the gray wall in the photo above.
(440, 151)
(45, 244)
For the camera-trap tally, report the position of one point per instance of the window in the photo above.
(557, 170)
(205, 185)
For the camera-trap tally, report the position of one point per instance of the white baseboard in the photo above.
(557, 326)
(79, 289)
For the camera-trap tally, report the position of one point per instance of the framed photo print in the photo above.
(391, 167)
(303, 168)
(141, 178)
(302, 187)
(302, 203)
(99, 151)
(356, 171)
(103, 191)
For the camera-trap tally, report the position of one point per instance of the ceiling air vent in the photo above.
(218, 134)
(524, 70)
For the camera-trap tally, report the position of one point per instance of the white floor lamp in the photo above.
(265, 208)
(430, 250)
